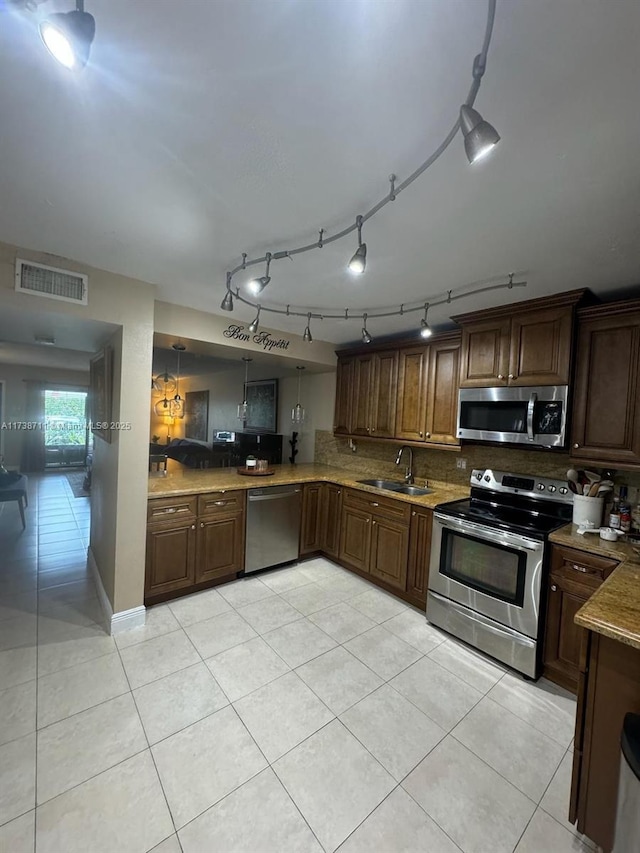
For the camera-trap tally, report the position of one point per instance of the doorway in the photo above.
(68, 439)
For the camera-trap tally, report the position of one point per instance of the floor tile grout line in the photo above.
(431, 817)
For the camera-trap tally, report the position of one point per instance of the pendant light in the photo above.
(68, 36)
(243, 408)
(177, 404)
(358, 262)
(297, 413)
(307, 336)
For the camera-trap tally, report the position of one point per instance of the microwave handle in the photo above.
(533, 399)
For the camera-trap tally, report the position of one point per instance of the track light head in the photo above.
(227, 302)
(253, 326)
(366, 337)
(425, 329)
(257, 285)
(307, 336)
(358, 262)
(480, 137)
(68, 36)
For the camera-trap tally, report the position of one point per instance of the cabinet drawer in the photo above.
(578, 566)
(167, 509)
(368, 502)
(216, 503)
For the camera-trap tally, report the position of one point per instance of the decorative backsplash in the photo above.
(377, 459)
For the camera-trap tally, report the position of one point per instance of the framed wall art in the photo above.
(101, 393)
(196, 415)
(262, 402)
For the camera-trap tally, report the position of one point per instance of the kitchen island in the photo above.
(609, 683)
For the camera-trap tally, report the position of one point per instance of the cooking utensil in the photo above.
(573, 476)
(594, 489)
(586, 488)
(591, 476)
(572, 487)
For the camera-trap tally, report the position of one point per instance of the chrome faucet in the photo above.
(408, 474)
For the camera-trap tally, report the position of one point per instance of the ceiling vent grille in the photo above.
(54, 283)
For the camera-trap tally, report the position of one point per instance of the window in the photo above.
(67, 438)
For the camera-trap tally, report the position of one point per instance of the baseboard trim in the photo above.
(116, 622)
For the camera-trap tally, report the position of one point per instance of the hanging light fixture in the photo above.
(68, 36)
(307, 336)
(243, 408)
(257, 285)
(177, 404)
(358, 262)
(255, 323)
(297, 413)
(366, 337)
(480, 137)
(425, 328)
(227, 302)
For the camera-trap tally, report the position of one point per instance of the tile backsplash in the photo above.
(377, 459)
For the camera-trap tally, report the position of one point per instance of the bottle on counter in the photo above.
(625, 511)
(635, 519)
(614, 515)
(251, 462)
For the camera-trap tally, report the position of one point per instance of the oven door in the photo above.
(489, 571)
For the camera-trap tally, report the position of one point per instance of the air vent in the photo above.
(51, 282)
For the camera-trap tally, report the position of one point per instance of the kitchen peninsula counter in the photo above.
(614, 609)
(188, 481)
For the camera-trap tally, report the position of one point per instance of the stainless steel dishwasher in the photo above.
(273, 526)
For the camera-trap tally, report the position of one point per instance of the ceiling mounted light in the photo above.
(480, 137)
(297, 412)
(253, 325)
(307, 336)
(366, 337)
(257, 285)
(68, 36)
(425, 328)
(227, 302)
(243, 408)
(358, 262)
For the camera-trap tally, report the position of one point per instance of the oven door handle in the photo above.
(520, 543)
(531, 405)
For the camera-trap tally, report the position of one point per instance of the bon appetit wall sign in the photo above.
(263, 339)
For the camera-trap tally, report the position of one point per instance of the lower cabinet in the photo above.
(574, 577)
(311, 522)
(419, 555)
(193, 541)
(389, 549)
(331, 510)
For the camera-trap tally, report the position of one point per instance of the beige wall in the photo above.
(14, 376)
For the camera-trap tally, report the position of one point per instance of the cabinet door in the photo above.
(330, 519)
(171, 557)
(541, 347)
(362, 394)
(563, 637)
(419, 554)
(385, 394)
(310, 527)
(389, 551)
(413, 367)
(344, 383)
(606, 410)
(442, 394)
(485, 353)
(355, 538)
(220, 550)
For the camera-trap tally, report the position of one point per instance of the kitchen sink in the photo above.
(400, 488)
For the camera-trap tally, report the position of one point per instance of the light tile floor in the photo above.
(298, 710)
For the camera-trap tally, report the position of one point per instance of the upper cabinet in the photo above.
(374, 386)
(606, 410)
(344, 388)
(529, 343)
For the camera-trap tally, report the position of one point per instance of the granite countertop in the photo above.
(614, 609)
(189, 481)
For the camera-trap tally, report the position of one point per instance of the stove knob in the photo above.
(479, 475)
(541, 487)
(563, 490)
(552, 489)
(487, 478)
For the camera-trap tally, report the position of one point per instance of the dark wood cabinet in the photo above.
(193, 541)
(330, 519)
(344, 388)
(442, 392)
(606, 410)
(361, 394)
(411, 412)
(389, 551)
(529, 343)
(419, 555)
(355, 538)
(311, 521)
(574, 577)
(374, 391)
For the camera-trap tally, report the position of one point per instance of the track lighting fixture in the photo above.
(480, 137)
(425, 328)
(243, 408)
(358, 262)
(307, 336)
(257, 285)
(366, 337)
(253, 325)
(227, 302)
(68, 36)
(297, 412)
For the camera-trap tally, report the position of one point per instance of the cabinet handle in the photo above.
(220, 503)
(579, 568)
(413, 513)
(554, 588)
(202, 524)
(373, 522)
(373, 503)
(420, 434)
(165, 511)
(373, 429)
(428, 435)
(512, 376)
(368, 520)
(339, 491)
(500, 376)
(576, 446)
(193, 527)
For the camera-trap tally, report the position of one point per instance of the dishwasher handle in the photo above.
(279, 496)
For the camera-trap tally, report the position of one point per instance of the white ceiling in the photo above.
(203, 129)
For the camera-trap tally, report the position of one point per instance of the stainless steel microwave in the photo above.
(535, 416)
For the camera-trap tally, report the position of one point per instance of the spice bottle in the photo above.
(625, 511)
(614, 515)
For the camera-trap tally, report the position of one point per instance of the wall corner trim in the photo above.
(116, 622)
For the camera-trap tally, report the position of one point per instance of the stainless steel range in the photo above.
(488, 562)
